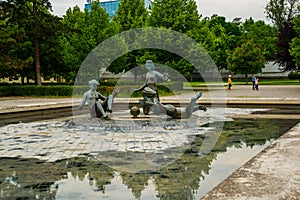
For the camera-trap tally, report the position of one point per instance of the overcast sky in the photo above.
(227, 8)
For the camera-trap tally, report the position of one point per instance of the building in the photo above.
(111, 6)
(270, 71)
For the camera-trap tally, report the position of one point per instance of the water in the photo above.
(190, 176)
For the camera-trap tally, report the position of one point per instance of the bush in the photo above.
(294, 75)
(107, 83)
(170, 86)
(34, 90)
(67, 90)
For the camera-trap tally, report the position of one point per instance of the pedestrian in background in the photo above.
(256, 83)
(253, 81)
(229, 82)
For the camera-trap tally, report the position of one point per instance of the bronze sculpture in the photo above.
(150, 92)
(151, 98)
(98, 108)
(99, 105)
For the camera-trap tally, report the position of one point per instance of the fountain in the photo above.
(49, 160)
(146, 149)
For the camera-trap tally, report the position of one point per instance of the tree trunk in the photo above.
(37, 63)
(37, 49)
(246, 79)
(135, 73)
(191, 76)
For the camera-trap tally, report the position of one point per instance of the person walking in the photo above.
(256, 83)
(229, 82)
(253, 81)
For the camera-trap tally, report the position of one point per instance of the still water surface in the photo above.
(189, 177)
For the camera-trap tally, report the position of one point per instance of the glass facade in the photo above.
(112, 6)
(148, 4)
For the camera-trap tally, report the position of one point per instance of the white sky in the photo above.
(227, 8)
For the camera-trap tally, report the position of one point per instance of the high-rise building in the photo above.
(111, 6)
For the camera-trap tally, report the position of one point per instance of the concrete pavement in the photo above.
(272, 174)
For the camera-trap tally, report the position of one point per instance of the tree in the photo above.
(38, 20)
(83, 31)
(262, 34)
(73, 49)
(34, 26)
(176, 15)
(225, 38)
(281, 13)
(12, 37)
(295, 45)
(247, 59)
(283, 55)
(131, 14)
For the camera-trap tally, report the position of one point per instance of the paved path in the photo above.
(265, 91)
(273, 174)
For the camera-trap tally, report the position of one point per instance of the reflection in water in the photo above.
(189, 177)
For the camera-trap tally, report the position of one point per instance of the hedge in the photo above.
(294, 76)
(33, 90)
(67, 91)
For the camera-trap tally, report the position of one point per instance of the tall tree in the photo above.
(246, 59)
(83, 31)
(73, 48)
(262, 34)
(176, 15)
(33, 19)
(12, 40)
(226, 36)
(286, 34)
(131, 14)
(295, 45)
(281, 13)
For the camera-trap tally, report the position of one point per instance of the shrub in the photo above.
(294, 75)
(67, 90)
(34, 90)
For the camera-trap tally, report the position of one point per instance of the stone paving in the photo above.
(156, 137)
(70, 137)
(146, 139)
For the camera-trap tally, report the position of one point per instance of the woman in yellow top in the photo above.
(229, 82)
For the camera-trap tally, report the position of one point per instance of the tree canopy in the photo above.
(262, 34)
(282, 13)
(295, 45)
(247, 59)
(83, 31)
(131, 14)
(33, 31)
(36, 43)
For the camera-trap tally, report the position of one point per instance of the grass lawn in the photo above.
(242, 82)
(279, 82)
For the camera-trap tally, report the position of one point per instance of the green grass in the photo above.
(201, 84)
(279, 82)
(242, 82)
